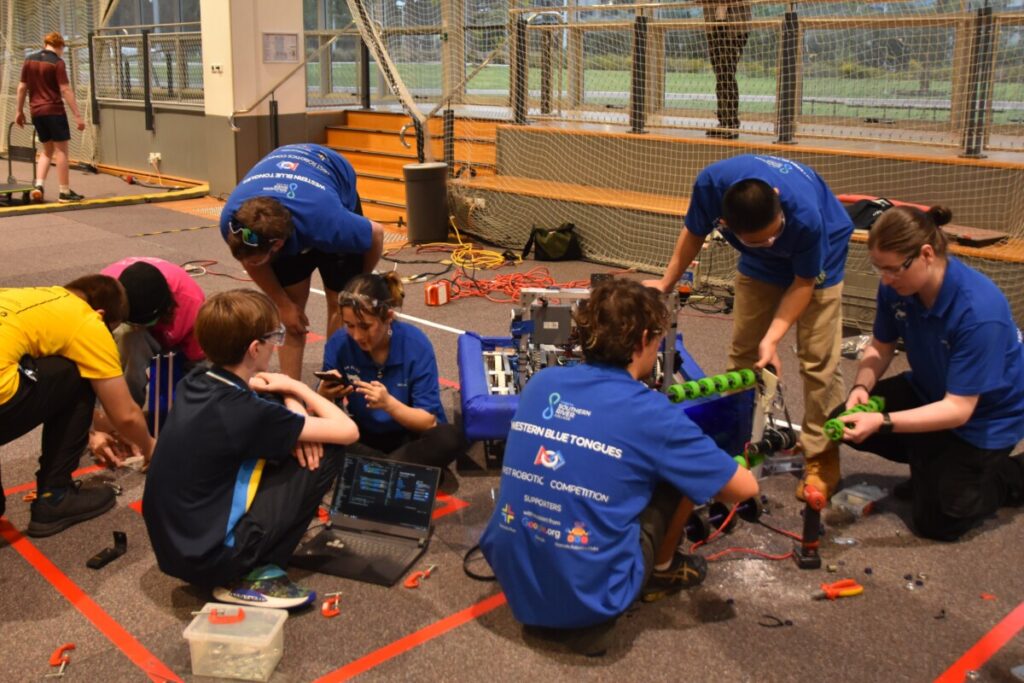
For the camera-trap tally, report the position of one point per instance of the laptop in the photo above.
(380, 521)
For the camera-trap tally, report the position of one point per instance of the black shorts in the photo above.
(335, 269)
(52, 128)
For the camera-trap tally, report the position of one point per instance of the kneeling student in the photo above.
(236, 476)
(595, 466)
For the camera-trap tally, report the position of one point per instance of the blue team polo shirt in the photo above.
(816, 236)
(318, 187)
(409, 373)
(966, 344)
(587, 446)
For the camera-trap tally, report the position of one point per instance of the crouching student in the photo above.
(57, 357)
(237, 476)
(389, 374)
(958, 413)
(595, 466)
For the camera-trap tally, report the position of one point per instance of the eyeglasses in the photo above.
(250, 237)
(354, 300)
(763, 244)
(894, 271)
(276, 337)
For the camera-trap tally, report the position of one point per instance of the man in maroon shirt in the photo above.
(45, 81)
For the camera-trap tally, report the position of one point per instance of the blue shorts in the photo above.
(52, 128)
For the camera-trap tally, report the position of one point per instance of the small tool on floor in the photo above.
(414, 579)
(330, 606)
(108, 555)
(846, 588)
(61, 657)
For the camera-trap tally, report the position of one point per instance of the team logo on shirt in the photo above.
(578, 534)
(507, 514)
(550, 459)
(898, 311)
(288, 165)
(562, 410)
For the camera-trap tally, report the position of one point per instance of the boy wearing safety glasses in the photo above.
(793, 236)
(237, 476)
(297, 211)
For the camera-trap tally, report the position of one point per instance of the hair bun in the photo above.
(940, 215)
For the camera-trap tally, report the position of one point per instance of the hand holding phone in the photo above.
(331, 377)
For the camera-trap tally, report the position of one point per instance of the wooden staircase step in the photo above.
(385, 189)
(579, 194)
(370, 141)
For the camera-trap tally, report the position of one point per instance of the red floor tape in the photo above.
(114, 632)
(983, 650)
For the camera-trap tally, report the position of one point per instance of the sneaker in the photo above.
(904, 490)
(36, 194)
(722, 133)
(266, 586)
(78, 504)
(686, 571)
(69, 196)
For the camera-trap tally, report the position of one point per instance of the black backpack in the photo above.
(865, 212)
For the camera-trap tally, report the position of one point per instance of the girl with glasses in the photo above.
(387, 372)
(956, 414)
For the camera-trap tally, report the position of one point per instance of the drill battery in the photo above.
(437, 293)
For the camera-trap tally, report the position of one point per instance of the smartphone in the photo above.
(329, 377)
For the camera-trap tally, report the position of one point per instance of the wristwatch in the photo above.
(886, 427)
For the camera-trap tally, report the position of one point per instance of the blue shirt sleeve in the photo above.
(705, 208)
(263, 428)
(424, 391)
(809, 256)
(974, 366)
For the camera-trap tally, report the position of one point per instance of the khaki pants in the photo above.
(819, 338)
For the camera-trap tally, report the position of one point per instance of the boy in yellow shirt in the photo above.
(57, 356)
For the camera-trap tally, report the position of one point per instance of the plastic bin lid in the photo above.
(257, 626)
(426, 166)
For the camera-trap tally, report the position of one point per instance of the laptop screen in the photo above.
(386, 492)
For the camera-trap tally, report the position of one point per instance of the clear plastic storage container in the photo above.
(232, 641)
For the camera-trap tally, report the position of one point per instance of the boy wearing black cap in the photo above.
(163, 302)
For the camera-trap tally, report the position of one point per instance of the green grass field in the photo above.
(611, 89)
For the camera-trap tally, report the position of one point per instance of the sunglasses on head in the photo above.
(353, 300)
(250, 237)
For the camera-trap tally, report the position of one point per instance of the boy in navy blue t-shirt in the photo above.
(594, 468)
(236, 476)
(297, 211)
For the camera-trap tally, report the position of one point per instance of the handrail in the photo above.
(305, 60)
(150, 26)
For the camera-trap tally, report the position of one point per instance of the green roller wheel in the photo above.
(741, 460)
(721, 383)
(756, 460)
(877, 404)
(748, 377)
(676, 393)
(691, 389)
(734, 380)
(707, 386)
(834, 429)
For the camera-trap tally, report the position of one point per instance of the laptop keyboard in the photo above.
(373, 549)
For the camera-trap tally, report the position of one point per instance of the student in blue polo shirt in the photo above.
(594, 468)
(297, 211)
(793, 235)
(237, 477)
(390, 377)
(957, 413)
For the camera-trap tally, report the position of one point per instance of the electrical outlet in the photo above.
(216, 68)
(155, 157)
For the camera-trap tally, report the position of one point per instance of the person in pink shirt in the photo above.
(164, 301)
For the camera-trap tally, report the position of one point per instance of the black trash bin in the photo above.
(426, 200)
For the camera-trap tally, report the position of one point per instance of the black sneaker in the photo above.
(35, 195)
(686, 571)
(904, 490)
(69, 196)
(722, 133)
(78, 504)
